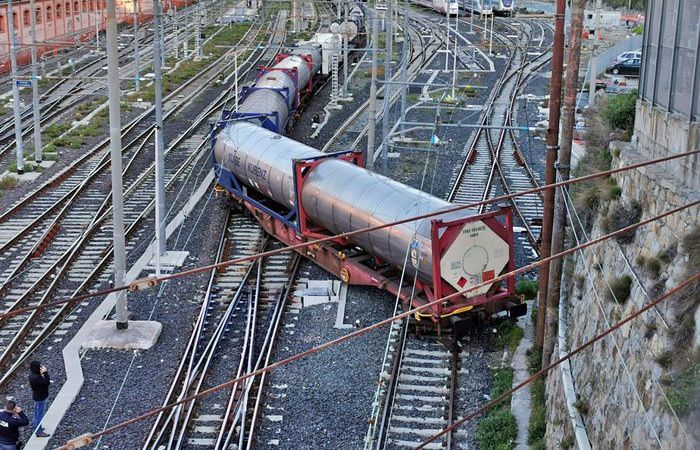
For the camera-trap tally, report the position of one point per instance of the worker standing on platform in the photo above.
(39, 380)
(11, 420)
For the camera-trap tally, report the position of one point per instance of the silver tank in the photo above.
(337, 195)
(268, 99)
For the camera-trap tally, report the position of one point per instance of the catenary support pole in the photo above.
(98, 21)
(491, 37)
(161, 24)
(19, 143)
(159, 144)
(186, 31)
(137, 76)
(455, 47)
(372, 126)
(36, 113)
(550, 174)
(404, 64)
(447, 36)
(387, 87)
(345, 52)
(235, 79)
(594, 55)
(471, 21)
(115, 145)
(198, 31)
(559, 226)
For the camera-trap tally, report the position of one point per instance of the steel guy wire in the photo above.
(572, 213)
(150, 282)
(687, 282)
(614, 341)
(388, 321)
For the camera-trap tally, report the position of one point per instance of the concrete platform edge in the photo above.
(71, 353)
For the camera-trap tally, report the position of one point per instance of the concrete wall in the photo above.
(660, 133)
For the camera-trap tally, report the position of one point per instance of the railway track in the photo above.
(69, 92)
(493, 164)
(355, 128)
(87, 257)
(422, 376)
(417, 393)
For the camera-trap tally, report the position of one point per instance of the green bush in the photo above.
(54, 130)
(567, 442)
(528, 288)
(653, 266)
(581, 406)
(497, 430)
(8, 182)
(684, 389)
(28, 167)
(534, 360)
(665, 359)
(688, 300)
(538, 418)
(622, 216)
(509, 335)
(619, 112)
(588, 195)
(620, 289)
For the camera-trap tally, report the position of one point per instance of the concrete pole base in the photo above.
(140, 335)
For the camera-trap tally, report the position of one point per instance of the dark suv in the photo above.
(629, 67)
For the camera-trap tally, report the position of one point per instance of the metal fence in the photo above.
(607, 57)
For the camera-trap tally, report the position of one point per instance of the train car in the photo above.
(277, 94)
(299, 194)
(481, 7)
(503, 7)
(440, 6)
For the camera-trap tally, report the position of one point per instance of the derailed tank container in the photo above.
(340, 197)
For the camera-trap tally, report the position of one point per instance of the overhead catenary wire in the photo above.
(152, 281)
(89, 436)
(687, 282)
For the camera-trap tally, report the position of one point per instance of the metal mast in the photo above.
(159, 144)
(137, 78)
(568, 121)
(115, 139)
(36, 114)
(19, 144)
(387, 87)
(404, 64)
(550, 174)
(371, 130)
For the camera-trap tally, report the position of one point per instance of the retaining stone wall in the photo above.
(625, 408)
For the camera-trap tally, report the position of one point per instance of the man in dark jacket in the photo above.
(39, 380)
(11, 420)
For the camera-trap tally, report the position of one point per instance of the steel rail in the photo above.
(89, 437)
(414, 66)
(679, 287)
(152, 281)
(74, 250)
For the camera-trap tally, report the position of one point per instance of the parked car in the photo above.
(628, 67)
(635, 54)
